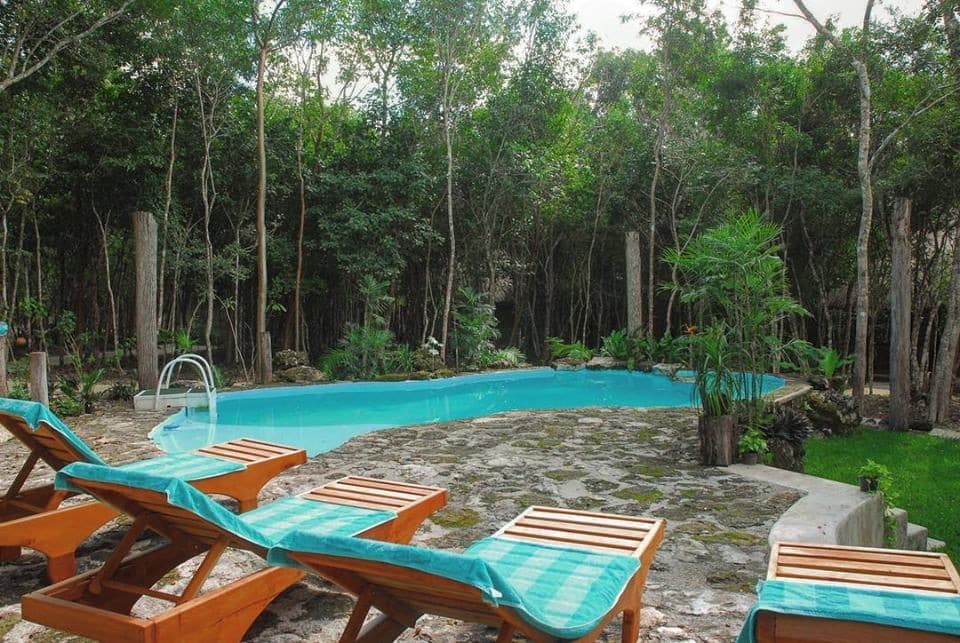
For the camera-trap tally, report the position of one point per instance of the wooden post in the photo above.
(4, 389)
(901, 281)
(38, 378)
(718, 440)
(634, 270)
(145, 243)
(265, 359)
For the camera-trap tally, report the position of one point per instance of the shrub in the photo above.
(575, 351)
(510, 357)
(617, 345)
(121, 391)
(475, 327)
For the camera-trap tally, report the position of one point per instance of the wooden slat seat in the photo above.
(98, 604)
(403, 593)
(32, 516)
(858, 567)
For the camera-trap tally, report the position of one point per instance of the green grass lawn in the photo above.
(925, 469)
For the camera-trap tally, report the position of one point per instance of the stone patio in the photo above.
(633, 461)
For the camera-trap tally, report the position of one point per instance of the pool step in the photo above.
(170, 398)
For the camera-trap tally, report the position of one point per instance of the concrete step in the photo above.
(935, 545)
(916, 538)
(895, 531)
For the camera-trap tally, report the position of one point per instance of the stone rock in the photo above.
(832, 413)
(287, 359)
(568, 364)
(302, 375)
(670, 370)
(604, 363)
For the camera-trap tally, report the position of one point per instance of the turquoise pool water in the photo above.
(320, 418)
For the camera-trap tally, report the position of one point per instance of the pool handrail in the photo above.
(206, 374)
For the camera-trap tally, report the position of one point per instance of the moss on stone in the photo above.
(651, 470)
(636, 494)
(730, 537)
(564, 474)
(456, 518)
(732, 581)
(548, 443)
(688, 493)
(585, 503)
(7, 623)
(597, 485)
(523, 444)
(534, 498)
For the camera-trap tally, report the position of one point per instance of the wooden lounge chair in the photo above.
(97, 604)
(821, 593)
(32, 517)
(551, 574)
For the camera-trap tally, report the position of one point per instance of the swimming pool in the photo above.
(319, 418)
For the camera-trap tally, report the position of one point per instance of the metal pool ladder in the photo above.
(206, 374)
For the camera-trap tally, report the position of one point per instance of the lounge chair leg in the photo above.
(631, 626)
(61, 567)
(506, 633)
(357, 616)
(382, 629)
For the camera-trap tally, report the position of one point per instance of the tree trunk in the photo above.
(863, 239)
(451, 264)
(634, 281)
(303, 219)
(168, 200)
(942, 382)
(264, 358)
(106, 264)
(145, 242)
(901, 282)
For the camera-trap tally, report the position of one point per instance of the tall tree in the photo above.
(858, 58)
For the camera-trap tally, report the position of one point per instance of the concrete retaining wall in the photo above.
(830, 513)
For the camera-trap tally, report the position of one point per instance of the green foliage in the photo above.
(575, 351)
(182, 340)
(752, 441)
(616, 345)
(402, 359)
(824, 359)
(510, 357)
(367, 350)
(121, 391)
(925, 467)
(77, 392)
(475, 328)
(18, 390)
(733, 272)
(713, 358)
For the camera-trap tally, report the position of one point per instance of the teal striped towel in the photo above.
(186, 466)
(563, 591)
(33, 413)
(263, 526)
(925, 611)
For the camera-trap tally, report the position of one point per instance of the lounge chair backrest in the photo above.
(493, 572)
(167, 503)
(45, 434)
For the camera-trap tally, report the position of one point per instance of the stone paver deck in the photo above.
(633, 461)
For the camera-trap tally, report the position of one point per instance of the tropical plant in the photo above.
(616, 345)
(121, 391)
(734, 272)
(475, 327)
(752, 441)
(561, 350)
(18, 390)
(510, 357)
(717, 382)
(79, 390)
